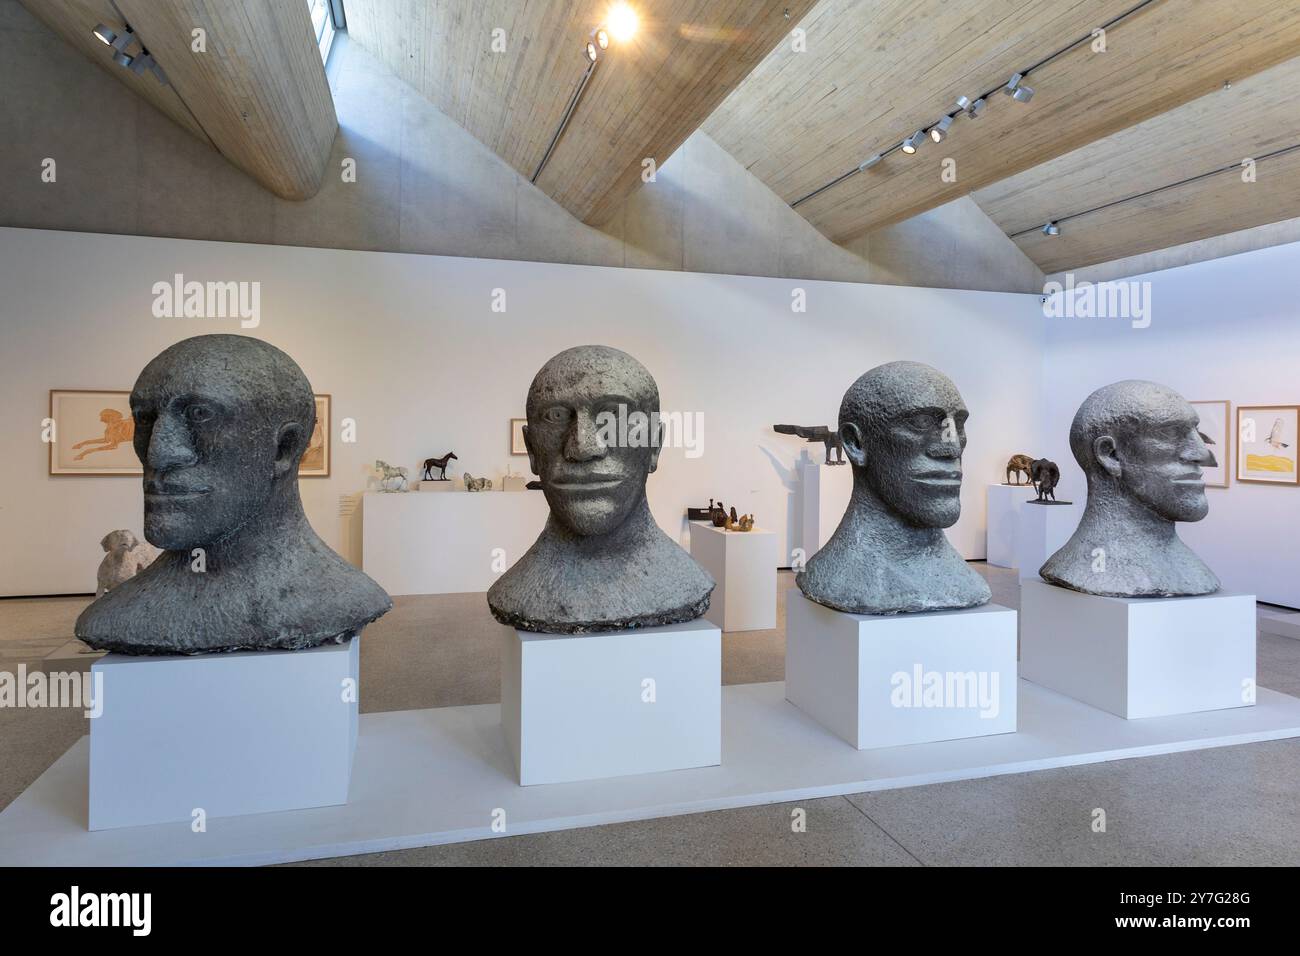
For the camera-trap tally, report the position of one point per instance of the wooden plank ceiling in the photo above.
(1251, 119)
(645, 97)
(258, 93)
(874, 73)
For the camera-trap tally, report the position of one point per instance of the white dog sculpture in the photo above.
(126, 555)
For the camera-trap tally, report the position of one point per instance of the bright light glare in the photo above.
(622, 22)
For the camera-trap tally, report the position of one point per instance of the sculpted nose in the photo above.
(948, 444)
(583, 442)
(1199, 453)
(170, 445)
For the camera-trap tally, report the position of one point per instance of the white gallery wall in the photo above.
(409, 347)
(1226, 329)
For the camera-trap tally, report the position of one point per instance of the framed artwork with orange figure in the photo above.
(90, 433)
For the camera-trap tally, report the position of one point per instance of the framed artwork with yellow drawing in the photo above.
(1266, 443)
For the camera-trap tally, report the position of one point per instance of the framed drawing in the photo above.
(93, 433)
(1215, 417)
(1266, 443)
(517, 446)
(316, 459)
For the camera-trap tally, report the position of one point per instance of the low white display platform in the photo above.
(589, 706)
(891, 680)
(1041, 531)
(435, 484)
(743, 563)
(825, 491)
(427, 777)
(227, 734)
(1139, 657)
(446, 543)
(1000, 523)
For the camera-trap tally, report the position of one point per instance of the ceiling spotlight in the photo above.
(623, 22)
(940, 129)
(976, 108)
(963, 102)
(1051, 229)
(1014, 89)
(601, 36)
(122, 59)
(912, 142)
(869, 162)
(103, 34)
(593, 51)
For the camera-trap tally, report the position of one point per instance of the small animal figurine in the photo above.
(717, 514)
(814, 433)
(439, 463)
(746, 523)
(477, 484)
(387, 473)
(1045, 474)
(126, 555)
(1018, 465)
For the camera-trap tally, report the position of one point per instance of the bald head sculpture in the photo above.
(221, 422)
(903, 427)
(1140, 447)
(601, 563)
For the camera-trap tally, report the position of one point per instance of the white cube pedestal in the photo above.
(1139, 657)
(1000, 523)
(825, 490)
(588, 706)
(743, 563)
(1041, 531)
(887, 680)
(228, 734)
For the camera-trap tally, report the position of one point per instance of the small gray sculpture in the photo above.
(477, 484)
(903, 430)
(125, 556)
(601, 563)
(221, 422)
(388, 474)
(817, 433)
(1139, 445)
(1045, 474)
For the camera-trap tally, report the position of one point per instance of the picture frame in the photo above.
(1215, 425)
(93, 434)
(517, 444)
(315, 461)
(1267, 444)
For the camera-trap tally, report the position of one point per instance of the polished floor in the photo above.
(1234, 805)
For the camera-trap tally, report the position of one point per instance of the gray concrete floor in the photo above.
(1233, 805)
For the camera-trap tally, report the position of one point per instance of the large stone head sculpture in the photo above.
(1141, 449)
(601, 563)
(221, 422)
(903, 427)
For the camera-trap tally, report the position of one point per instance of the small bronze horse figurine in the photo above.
(432, 463)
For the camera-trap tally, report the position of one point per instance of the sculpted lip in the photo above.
(939, 478)
(586, 484)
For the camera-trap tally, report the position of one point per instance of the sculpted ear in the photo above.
(532, 459)
(286, 448)
(851, 439)
(1104, 450)
(656, 447)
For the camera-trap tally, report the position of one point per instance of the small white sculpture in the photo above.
(126, 556)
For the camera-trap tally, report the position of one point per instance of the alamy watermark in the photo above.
(637, 429)
(55, 689)
(180, 299)
(1125, 299)
(949, 690)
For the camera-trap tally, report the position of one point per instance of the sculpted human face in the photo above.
(590, 478)
(912, 450)
(1160, 464)
(210, 455)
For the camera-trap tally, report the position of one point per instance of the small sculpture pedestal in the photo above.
(228, 734)
(743, 563)
(1140, 657)
(886, 680)
(588, 706)
(825, 491)
(1000, 523)
(1041, 531)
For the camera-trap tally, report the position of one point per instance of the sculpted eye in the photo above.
(556, 415)
(922, 420)
(197, 414)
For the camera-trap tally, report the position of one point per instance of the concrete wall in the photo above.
(409, 347)
(424, 185)
(1223, 329)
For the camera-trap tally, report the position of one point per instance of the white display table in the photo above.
(1041, 531)
(1000, 523)
(418, 543)
(825, 491)
(1140, 657)
(743, 563)
(888, 680)
(589, 706)
(225, 734)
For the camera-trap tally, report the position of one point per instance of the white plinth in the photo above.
(515, 483)
(229, 734)
(1140, 657)
(825, 490)
(1000, 529)
(447, 543)
(435, 484)
(743, 563)
(870, 679)
(1041, 531)
(590, 706)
